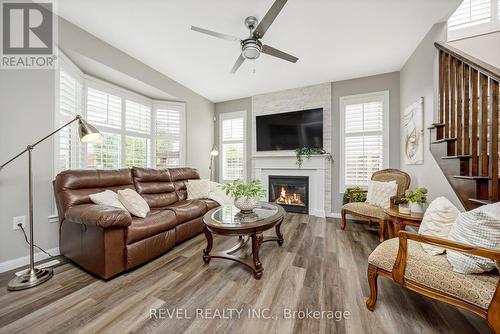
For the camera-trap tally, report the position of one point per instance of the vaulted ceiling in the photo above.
(333, 39)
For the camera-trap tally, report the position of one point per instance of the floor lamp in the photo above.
(213, 153)
(35, 276)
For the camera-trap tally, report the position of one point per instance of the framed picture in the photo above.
(413, 133)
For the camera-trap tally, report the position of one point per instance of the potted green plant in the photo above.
(417, 200)
(246, 195)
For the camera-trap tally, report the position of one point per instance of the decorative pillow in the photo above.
(107, 197)
(197, 189)
(479, 227)
(380, 193)
(218, 195)
(133, 202)
(438, 220)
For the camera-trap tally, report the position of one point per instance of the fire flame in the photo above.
(288, 198)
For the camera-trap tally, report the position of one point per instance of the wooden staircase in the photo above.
(465, 139)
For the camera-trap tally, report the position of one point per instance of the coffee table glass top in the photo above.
(231, 216)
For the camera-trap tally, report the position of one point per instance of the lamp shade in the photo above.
(214, 152)
(88, 133)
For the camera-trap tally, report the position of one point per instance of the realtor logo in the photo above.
(27, 35)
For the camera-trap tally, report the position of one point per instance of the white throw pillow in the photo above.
(133, 202)
(380, 193)
(107, 197)
(218, 195)
(197, 189)
(438, 220)
(479, 227)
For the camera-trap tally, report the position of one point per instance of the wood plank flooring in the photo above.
(320, 267)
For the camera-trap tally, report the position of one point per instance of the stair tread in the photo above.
(468, 177)
(463, 156)
(443, 140)
(480, 201)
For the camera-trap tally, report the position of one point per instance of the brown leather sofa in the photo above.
(106, 240)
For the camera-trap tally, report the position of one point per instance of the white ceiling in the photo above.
(334, 39)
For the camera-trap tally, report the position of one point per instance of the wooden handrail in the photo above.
(479, 65)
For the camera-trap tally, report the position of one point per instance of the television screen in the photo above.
(290, 130)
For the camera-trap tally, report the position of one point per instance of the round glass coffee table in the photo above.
(229, 221)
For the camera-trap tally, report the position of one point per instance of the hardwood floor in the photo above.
(318, 268)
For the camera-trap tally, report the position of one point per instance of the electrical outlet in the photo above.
(18, 220)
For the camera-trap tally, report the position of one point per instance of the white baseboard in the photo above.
(334, 215)
(25, 260)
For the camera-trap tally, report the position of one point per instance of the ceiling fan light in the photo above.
(251, 52)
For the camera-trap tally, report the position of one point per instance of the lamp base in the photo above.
(30, 279)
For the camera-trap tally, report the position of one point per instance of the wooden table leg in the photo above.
(390, 227)
(210, 242)
(397, 226)
(256, 241)
(279, 234)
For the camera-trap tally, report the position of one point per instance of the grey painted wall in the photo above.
(244, 104)
(27, 106)
(417, 80)
(484, 47)
(381, 82)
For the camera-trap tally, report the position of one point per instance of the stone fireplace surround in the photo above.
(284, 162)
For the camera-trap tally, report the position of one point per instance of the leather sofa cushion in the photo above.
(147, 249)
(179, 178)
(155, 222)
(210, 203)
(155, 186)
(188, 230)
(188, 209)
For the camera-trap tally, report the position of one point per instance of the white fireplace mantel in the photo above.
(314, 167)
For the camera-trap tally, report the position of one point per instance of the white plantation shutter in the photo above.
(137, 117)
(70, 105)
(474, 17)
(104, 109)
(233, 146)
(363, 138)
(170, 131)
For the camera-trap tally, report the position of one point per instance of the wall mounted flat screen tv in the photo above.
(290, 130)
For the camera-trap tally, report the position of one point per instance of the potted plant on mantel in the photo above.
(417, 200)
(246, 195)
(307, 152)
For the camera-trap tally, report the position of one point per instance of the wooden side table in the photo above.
(399, 221)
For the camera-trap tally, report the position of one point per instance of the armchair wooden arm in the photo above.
(400, 265)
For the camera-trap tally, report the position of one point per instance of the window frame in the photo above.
(356, 99)
(226, 116)
(478, 29)
(88, 81)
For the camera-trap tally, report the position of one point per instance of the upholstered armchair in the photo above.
(405, 262)
(371, 213)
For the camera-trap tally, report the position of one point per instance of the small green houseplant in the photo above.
(357, 197)
(246, 195)
(307, 152)
(417, 200)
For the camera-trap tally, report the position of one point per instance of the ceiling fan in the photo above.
(251, 47)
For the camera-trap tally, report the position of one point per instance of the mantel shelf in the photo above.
(259, 156)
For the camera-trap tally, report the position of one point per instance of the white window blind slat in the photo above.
(233, 147)
(168, 136)
(470, 13)
(232, 161)
(104, 109)
(137, 117)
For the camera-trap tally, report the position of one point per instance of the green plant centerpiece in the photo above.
(417, 200)
(307, 152)
(246, 195)
(358, 196)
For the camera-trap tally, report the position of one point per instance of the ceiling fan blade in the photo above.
(268, 19)
(238, 63)
(277, 53)
(216, 34)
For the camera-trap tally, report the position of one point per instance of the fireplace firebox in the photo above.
(291, 192)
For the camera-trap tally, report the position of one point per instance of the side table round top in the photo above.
(396, 214)
(230, 219)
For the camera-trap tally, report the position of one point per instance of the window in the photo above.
(137, 131)
(170, 143)
(474, 17)
(364, 139)
(233, 146)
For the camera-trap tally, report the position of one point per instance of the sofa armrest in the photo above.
(98, 215)
(398, 270)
